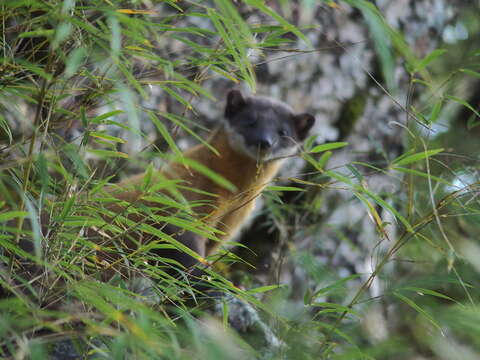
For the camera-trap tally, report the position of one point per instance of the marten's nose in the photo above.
(265, 143)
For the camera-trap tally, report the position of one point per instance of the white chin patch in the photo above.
(237, 142)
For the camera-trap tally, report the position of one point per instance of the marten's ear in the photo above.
(235, 102)
(303, 123)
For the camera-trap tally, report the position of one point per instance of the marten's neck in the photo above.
(246, 173)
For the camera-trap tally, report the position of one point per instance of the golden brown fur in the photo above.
(226, 211)
(256, 131)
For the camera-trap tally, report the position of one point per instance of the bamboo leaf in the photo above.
(263, 289)
(323, 161)
(42, 165)
(421, 174)
(177, 96)
(422, 291)
(329, 146)
(178, 245)
(336, 285)
(429, 58)
(464, 103)
(9, 215)
(115, 35)
(332, 307)
(203, 170)
(6, 128)
(418, 309)
(99, 119)
(283, 188)
(37, 33)
(471, 73)
(416, 157)
(137, 12)
(108, 153)
(373, 212)
(36, 69)
(437, 107)
(260, 5)
(107, 137)
(62, 32)
(180, 122)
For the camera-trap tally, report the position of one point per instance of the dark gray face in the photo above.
(263, 128)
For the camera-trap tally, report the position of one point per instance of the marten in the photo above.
(257, 135)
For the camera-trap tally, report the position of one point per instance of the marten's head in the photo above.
(264, 128)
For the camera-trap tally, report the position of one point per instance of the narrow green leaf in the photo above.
(38, 70)
(437, 107)
(194, 86)
(6, 128)
(165, 134)
(263, 289)
(332, 307)
(429, 58)
(337, 284)
(107, 137)
(471, 73)
(178, 245)
(12, 247)
(329, 146)
(225, 311)
(355, 172)
(421, 174)
(164, 200)
(107, 153)
(37, 33)
(9, 215)
(129, 101)
(203, 170)
(422, 291)
(83, 117)
(416, 157)
(418, 309)
(115, 35)
(382, 35)
(376, 198)
(339, 177)
(99, 119)
(42, 165)
(36, 229)
(81, 221)
(67, 207)
(229, 76)
(62, 32)
(464, 103)
(234, 45)
(323, 161)
(177, 96)
(283, 188)
(388, 207)
(260, 5)
(308, 144)
(307, 297)
(147, 178)
(131, 79)
(177, 120)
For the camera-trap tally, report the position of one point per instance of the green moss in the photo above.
(351, 112)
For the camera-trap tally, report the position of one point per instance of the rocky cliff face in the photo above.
(359, 92)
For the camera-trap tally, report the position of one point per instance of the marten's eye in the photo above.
(282, 132)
